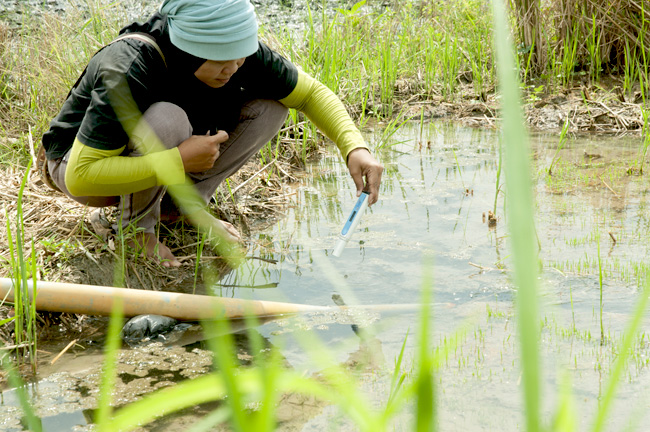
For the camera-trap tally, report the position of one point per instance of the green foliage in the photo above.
(560, 145)
(364, 54)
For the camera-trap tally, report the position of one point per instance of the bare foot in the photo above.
(231, 234)
(221, 229)
(156, 250)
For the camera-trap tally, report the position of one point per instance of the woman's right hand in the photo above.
(199, 152)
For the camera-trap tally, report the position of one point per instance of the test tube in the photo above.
(351, 223)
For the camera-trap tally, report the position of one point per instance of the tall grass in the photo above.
(594, 48)
(41, 60)
(450, 64)
(360, 52)
(589, 35)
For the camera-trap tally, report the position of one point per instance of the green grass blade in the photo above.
(223, 347)
(424, 386)
(113, 343)
(565, 419)
(7, 320)
(520, 216)
(398, 377)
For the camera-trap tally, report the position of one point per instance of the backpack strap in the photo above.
(143, 37)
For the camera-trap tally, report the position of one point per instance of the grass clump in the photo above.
(40, 60)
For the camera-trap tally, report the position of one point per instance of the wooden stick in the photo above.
(70, 345)
(252, 177)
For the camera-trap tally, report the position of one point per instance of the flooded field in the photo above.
(435, 213)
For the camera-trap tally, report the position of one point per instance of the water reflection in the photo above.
(436, 198)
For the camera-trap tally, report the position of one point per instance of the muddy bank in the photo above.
(583, 107)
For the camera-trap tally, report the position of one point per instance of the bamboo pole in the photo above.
(99, 300)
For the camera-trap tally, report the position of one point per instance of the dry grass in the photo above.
(62, 232)
(617, 22)
(529, 17)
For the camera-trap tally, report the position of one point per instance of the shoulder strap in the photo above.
(143, 37)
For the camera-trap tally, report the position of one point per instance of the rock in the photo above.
(145, 328)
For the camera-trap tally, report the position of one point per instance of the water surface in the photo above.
(438, 188)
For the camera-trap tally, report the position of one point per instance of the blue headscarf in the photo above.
(212, 29)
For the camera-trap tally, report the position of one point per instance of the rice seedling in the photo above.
(431, 55)
(479, 56)
(630, 68)
(398, 376)
(569, 56)
(594, 46)
(390, 129)
(113, 343)
(388, 74)
(600, 288)
(644, 67)
(24, 306)
(560, 145)
(627, 343)
(197, 264)
(450, 64)
(498, 185)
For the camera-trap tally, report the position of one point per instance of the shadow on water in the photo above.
(437, 191)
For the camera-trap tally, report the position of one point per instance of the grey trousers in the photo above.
(259, 122)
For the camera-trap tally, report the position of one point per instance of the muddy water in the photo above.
(439, 185)
(438, 189)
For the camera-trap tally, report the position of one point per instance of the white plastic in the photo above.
(351, 224)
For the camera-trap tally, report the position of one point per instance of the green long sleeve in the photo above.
(326, 111)
(93, 172)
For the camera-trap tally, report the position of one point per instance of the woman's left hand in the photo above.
(363, 165)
